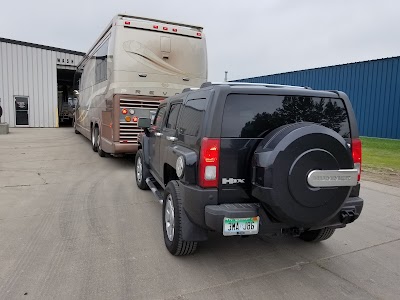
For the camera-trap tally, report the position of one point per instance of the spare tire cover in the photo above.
(281, 164)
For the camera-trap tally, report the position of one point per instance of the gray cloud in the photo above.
(246, 38)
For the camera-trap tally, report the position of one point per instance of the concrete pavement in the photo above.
(73, 225)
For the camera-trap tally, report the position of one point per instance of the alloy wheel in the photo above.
(169, 218)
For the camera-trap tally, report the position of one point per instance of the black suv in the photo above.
(243, 159)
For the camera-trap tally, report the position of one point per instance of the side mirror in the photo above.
(144, 123)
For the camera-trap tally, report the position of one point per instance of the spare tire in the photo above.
(281, 165)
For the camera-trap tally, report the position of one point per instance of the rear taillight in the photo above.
(356, 150)
(209, 162)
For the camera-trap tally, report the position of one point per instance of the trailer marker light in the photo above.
(199, 34)
(175, 30)
(155, 26)
(135, 119)
(124, 111)
(128, 118)
(127, 23)
(165, 28)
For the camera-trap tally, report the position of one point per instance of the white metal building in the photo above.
(34, 81)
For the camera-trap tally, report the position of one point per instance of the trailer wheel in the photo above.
(172, 222)
(93, 139)
(98, 141)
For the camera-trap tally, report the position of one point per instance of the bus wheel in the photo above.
(98, 141)
(94, 142)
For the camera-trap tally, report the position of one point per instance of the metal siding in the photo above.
(53, 90)
(373, 88)
(379, 99)
(45, 90)
(1, 81)
(10, 73)
(396, 121)
(4, 82)
(394, 87)
(32, 72)
(40, 87)
(30, 84)
(35, 63)
(388, 92)
(15, 83)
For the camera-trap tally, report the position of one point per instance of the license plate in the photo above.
(241, 226)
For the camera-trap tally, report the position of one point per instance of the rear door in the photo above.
(169, 134)
(247, 119)
(155, 139)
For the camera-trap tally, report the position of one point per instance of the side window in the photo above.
(101, 63)
(158, 120)
(192, 117)
(173, 116)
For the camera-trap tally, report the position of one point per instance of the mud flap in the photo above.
(191, 232)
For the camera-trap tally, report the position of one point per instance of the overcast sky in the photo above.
(247, 38)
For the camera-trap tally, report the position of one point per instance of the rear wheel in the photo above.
(93, 139)
(317, 235)
(172, 222)
(98, 141)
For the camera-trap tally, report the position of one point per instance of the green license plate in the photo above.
(241, 226)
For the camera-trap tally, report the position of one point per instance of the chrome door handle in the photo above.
(171, 138)
(158, 134)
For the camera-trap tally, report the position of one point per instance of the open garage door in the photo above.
(66, 99)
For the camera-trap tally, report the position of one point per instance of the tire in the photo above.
(292, 151)
(143, 171)
(98, 142)
(93, 139)
(317, 235)
(172, 216)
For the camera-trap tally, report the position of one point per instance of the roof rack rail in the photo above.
(207, 84)
(189, 89)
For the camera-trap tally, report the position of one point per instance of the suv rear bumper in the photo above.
(202, 208)
(215, 214)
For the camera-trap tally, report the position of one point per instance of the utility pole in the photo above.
(226, 76)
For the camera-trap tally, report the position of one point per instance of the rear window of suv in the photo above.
(252, 116)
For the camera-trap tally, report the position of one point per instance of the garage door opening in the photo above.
(66, 99)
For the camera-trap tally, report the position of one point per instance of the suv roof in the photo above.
(248, 84)
(258, 88)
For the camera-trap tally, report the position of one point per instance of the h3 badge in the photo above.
(232, 180)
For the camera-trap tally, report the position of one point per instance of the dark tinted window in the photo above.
(173, 116)
(192, 117)
(159, 117)
(101, 62)
(250, 116)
